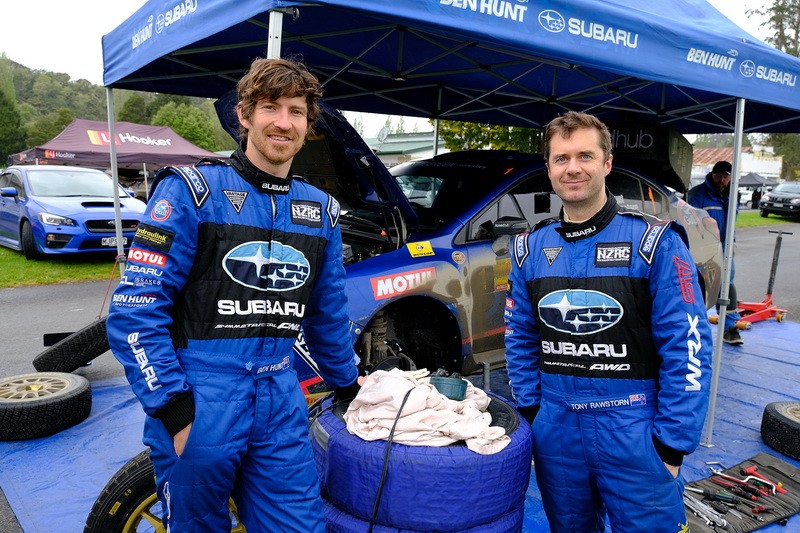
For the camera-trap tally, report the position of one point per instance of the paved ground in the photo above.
(27, 313)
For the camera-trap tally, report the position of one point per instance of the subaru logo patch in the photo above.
(267, 266)
(579, 312)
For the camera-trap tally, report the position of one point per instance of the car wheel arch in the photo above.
(422, 327)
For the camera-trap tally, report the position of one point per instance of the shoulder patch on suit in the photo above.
(196, 182)
(333, 210)
(656, 228)
(521, 250)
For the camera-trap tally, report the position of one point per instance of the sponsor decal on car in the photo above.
(420, 249)
(402, 283)
(459, 257)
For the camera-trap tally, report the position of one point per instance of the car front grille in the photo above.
(107, 225)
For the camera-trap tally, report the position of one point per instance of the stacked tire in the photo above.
(42, 404)
(425, 488)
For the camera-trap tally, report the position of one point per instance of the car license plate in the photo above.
(112, 241)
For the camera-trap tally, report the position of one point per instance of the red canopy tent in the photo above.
(86, 142)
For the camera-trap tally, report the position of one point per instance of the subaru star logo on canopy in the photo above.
(254, 265)
(579, 312)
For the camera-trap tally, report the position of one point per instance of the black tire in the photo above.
(128, 502)
(28, 243)
(73, 352)
(763, 212)
(42, 404)
(128, 498)
(780, 428)
(452, 485)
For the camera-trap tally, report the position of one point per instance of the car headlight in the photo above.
(55, 220)
(796, 201)
(765, 197)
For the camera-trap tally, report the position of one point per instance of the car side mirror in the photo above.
(510, 226)
(9, 192)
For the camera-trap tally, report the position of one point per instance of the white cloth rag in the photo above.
(428, 418)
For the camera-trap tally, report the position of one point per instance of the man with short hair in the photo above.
(608, 347)
(230, 260)
(712, 195)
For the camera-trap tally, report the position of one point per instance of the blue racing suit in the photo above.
(705, 196)
(226, 265)
(608, 347)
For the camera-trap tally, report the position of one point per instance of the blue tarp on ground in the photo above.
(680, 63)
(53, 482)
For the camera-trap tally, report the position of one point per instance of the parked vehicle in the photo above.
(53, 210)
(425, 247)
(784, 199)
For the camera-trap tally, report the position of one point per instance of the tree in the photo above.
(134, 110)
(188, 122)
(162, 99)
(474, 136)
(783, 17)
(12, 137)
(48, 126)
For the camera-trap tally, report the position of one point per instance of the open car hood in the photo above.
(337, 160)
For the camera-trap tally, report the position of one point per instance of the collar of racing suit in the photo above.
(576, 231)
(263, 181)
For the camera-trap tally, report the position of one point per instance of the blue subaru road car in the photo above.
(426, 243)
(51, 210)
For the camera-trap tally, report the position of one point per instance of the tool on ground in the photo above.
(755, 490)
(727, 497)
(706, 513)
(753, 471)
(755, 311)
(738, 490)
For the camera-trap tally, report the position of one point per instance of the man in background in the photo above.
(712, 195)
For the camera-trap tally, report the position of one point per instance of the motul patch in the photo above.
(236, 198)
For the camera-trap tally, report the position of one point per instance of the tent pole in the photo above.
(112, 148)
(275, 32)
(730, 224)
(146, 185)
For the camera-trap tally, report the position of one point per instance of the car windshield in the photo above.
(70, 183)
(793, 188)
(440, 191)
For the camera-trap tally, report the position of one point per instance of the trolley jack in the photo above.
(755, 311)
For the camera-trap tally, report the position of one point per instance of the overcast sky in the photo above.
(64, 36)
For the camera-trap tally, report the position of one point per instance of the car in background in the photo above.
(50, 210)
(467, 204)
(426, 247)
(783, 199)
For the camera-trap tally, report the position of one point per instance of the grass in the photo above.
(16, 271)
(751, 219)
